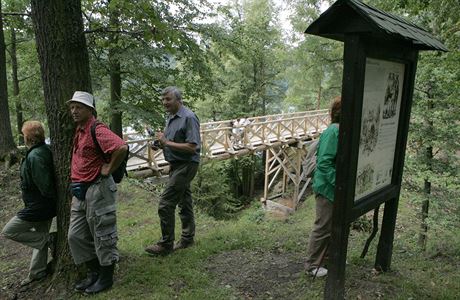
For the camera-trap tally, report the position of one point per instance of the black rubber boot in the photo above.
(104, 282)
(91, 275)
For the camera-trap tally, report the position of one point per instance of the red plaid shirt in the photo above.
(87, 161)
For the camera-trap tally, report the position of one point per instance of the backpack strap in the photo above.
(96, 143)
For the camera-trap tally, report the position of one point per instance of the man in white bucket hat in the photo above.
(92, 232)
(83, 97)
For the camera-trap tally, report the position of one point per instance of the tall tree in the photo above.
(20, 34)
(7, 144)
(115, 73)
(246, 64)
(432, 164)
(314, 64)
(143, 46)
(64, 63)
(15, 79)
(24, 90)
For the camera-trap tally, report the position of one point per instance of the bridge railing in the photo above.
(226, 139)
(220, 139)
(259, 119)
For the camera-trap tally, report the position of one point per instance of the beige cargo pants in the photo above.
(93, 224)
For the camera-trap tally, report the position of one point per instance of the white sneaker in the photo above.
(318, 272)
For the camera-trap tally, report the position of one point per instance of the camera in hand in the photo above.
(156, 145)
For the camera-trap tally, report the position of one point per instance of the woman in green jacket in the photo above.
(323, 187)
(31, 225)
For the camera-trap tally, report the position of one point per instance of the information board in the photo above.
(383, 86)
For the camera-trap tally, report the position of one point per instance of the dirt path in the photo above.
(259, 274)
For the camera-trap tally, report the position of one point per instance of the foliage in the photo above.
(219, 186)
(30, 85)
(246, 174)
(433, 146)
(188, 274)
(314, 71)
(157, 43)
(211, 191)
(246, 64)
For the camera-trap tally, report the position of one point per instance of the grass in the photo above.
(255, 257)
(185, 274)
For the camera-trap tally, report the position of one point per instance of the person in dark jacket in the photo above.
(31, 224)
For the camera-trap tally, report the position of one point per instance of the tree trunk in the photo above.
(424, 215)
(422, 240)
(115, 77)
(320, 94)
(64, 65)
(14, 67)
(318, 100)
(7, 145)
(115, 94)
(247, 180)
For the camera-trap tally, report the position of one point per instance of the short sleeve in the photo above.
(192, 135)
(107, 139)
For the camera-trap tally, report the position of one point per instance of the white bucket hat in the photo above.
(84, 98)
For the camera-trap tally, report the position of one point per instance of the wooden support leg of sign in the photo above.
(335, 284)
(385, 246)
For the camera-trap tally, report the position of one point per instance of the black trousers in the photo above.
(178, 193)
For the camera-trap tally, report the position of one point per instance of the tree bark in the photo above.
(318, 98)
(422, 240)
(14, 71)
(115, 94)
(115, 74)
(7, 145)
(247, 181)
(115, 78)
(64, 65)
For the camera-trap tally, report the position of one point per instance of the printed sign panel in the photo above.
(383, 85)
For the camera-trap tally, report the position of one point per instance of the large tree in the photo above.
(143, 46)
(432, 163)
(19, 26)
(246, 65)
(314, 71)
(64, 66)
(7, 144)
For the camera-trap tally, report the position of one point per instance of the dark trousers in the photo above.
(321, 233)
(178, 193)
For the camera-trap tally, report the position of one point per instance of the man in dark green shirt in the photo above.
(324, 186)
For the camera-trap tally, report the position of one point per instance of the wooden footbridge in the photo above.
(286, 138)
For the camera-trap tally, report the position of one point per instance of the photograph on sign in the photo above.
(379, 125)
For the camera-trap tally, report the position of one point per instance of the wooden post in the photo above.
(149, 154)
(347, 156)
(298, 174)
(267, 178)
(385, 246)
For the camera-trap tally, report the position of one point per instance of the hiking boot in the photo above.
(104, 281)
(317, 272)
(31, 279)
(181, 244)
(158, 249)
(91, 276)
